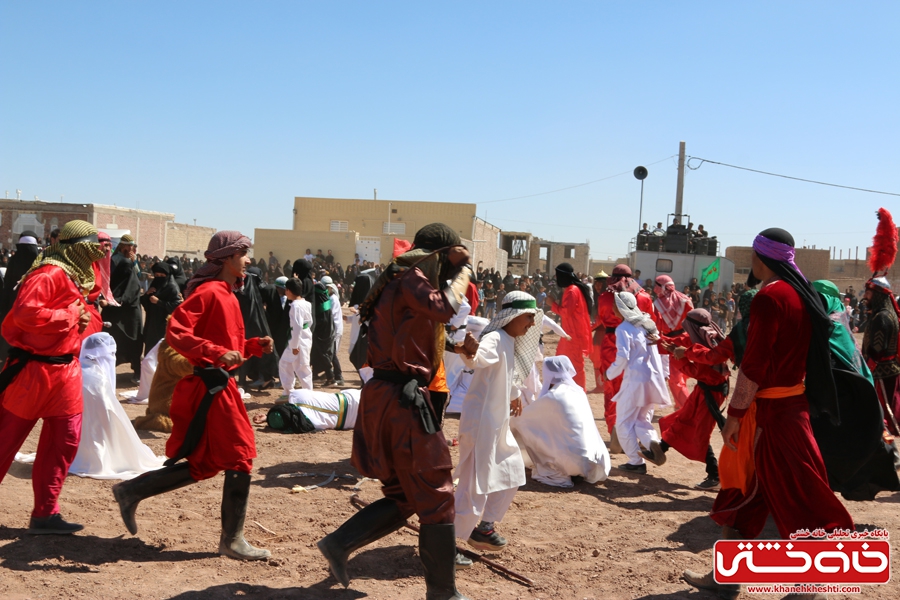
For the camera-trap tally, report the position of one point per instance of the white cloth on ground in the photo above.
(489, 458)
(328, 410)
(110, 447)
(557, 433)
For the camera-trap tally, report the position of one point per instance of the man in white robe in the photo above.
(557, 432)
(643, 384)
(491, 468)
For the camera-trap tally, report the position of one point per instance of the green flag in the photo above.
(710, 273)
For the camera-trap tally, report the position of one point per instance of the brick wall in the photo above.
(192, 240)
(147, 227)
(486, 247)
(40, 217)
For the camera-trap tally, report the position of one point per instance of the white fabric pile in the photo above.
(557, 432)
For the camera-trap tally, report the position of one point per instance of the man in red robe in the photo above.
(575, 318)
(208, 330)
(671, 308)
(397, 437)
(786, 370)
(42, 376)
(620, 281)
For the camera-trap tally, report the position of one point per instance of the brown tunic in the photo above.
(387, 437)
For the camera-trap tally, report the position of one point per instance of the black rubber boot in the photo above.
(437, 548)
(368, 525)
(129, 493)
(234, 509)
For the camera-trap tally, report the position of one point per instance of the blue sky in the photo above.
(224, 111)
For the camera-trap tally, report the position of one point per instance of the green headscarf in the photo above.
(738, 333)
(841, 341)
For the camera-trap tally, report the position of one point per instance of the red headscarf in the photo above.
(621, 281)
(670, 302)
(224, 244)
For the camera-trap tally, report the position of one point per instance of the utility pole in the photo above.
(679, 190)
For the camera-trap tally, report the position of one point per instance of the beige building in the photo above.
(812, 262)
(368, 228)
(527, 254)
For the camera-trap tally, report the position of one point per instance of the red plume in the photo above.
(884, 244)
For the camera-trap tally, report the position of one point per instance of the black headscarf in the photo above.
(820, 387)
(177, 272)
(436, 236)
(565, 276)
(361, 286)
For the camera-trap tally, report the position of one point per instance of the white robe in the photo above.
(643, 389)
(148, 369)
(532, 386)
(110, 447)
(559, 438)
(458, 374)
(489, 458)
(290, 364)
(643, 380)
(328, 410)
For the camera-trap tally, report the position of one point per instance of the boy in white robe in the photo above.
(295, 359)
(557, 432)
(643, 384)
(491, 468)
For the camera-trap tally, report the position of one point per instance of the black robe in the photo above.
(126, 319)
(19, 264)
(277, 316)
(156, 320)
(256, 325)
(322, 355)
(177, 273)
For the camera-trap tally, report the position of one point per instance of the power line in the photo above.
(572, 187)
(846, 187)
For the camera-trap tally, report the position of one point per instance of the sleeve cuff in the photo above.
(737, 413)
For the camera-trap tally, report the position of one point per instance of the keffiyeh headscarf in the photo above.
(518, 303)
(621, 280)
(75, 252)
(557, 371)
(669, 302)
(125, 240)
(627, 305)
(700, 326)
(223, 245)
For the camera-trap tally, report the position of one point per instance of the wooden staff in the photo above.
(358, 502)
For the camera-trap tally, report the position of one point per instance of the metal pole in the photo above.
(679, 189)
(641, 213)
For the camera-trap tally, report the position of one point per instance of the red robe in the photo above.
(689, 429)
(607, 318)
(576, 320)
(42, 321)
(203, 328)
(791, 481)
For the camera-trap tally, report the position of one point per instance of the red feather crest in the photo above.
(884, 244)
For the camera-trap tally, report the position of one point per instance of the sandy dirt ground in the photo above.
(628, 537)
